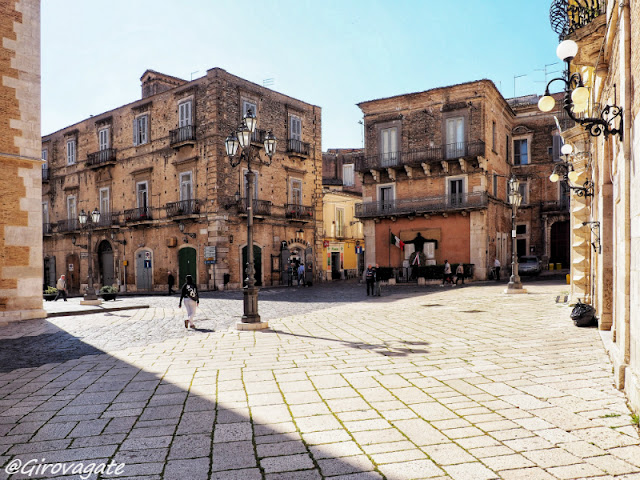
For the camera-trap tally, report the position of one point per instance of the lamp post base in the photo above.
(515, 285)
(251, 305)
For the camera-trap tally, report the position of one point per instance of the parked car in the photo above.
(529, 265)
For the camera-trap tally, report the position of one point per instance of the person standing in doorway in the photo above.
(61, 285)
(301, 275)
(376, 281)
(496, 268)
(191, 300)
(171, 281)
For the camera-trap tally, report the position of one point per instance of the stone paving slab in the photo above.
(458, 383)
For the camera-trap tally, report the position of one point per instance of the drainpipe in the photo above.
(625, 54)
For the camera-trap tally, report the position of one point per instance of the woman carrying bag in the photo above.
(191, 300)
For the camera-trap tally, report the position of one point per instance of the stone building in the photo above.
(169, 198)
(606, 226)
(435, 174)
(20, 215)
(343, 245)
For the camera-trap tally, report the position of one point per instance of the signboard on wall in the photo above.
(210, 255)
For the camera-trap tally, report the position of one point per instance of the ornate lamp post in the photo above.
(90, 298)
(515, 197)
(241, 139)
(564, 171)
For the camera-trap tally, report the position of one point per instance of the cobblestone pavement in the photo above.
(462, 383)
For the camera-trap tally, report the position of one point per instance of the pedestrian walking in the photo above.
(376, 284)
(171, 281)
(301, 275)
(290, 275)
(191, 300)
(446, 278)
(61, 285)
(460, 273)
(370, 278)
(496, 269)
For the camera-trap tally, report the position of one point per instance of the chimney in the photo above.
(155, 82)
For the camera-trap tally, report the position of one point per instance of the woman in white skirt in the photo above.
(191, 300)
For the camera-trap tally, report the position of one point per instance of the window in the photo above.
(103, 138)
(389, 146)
(508, 149)
(386, 196)
(493, 136)
(521, 229)
(184, 114)
(72, 212)
(521, 152)
(186, 186)
(339, 222)
(524, 191)
(142, 196)
(295, 128)
(296, 191)
(71, 152)
(555, 149)
(454, 131)
(246, 105)
(347, 175)
(45, 213)
(104, 201)
(495, 185)
(456, 192)
(45, 156)
(141, 130)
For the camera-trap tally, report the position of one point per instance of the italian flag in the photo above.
(397, 242)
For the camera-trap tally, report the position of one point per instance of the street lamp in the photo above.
(515, 198)
(576, 97)
(241, 139)
(564, 171)
(90, 298)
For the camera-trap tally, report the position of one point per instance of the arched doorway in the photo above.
(559, 245)
(144, 269)
(50, 278)
(186, 265)
(257, 264)
(72, 273)
(105, 263)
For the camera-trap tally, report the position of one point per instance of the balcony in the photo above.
(47, 228)
(421, 206)
(258, 136)
(568, 17)
(298, 212)
(182, 136)
(183, 208)
(68, 225)
(422, 156)
(107, 220)
(260, 207)
(102, 158)
(295, 146)
(46, 174)
(331, 181)
(555, 207)
(140, 214)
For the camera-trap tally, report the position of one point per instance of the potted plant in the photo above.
(50, 294)
(108, 292)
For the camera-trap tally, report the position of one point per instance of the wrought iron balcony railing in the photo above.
(415, 157)
(47, 228)
(258, 136)
(561, 206)
(68, 225)
(331, 181)
(568, 16)
(182, 135)
(46, 173)
(107, 219)
(183, 207)
(102, 157)
(419, 206)
(260, 207)
(138, 214)
(297, 146)
(299, 212)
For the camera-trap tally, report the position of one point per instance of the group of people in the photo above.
(299, 270)
(372, 280)
(448, 278)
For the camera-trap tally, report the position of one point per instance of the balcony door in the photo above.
(186, 186)
(142, 197)
(455, 137)
(296, 192)
(72, 212)
(389, 147)
(456, 193)
(386, 197)
(104, 206)
(184, 114)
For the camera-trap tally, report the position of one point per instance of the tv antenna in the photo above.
(268, 82)
(514, 82)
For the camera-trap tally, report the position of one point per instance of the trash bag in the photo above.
(583, 315)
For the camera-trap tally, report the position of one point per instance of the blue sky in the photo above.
(331, 53)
